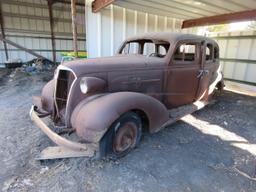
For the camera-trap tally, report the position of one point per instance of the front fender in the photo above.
(92, 117)
(46, 101)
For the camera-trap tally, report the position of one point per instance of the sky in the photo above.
(238, 26)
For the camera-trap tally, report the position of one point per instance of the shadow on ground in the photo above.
(182, 157)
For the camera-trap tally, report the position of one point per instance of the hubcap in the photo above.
(125, 137)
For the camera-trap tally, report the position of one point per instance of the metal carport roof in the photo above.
(192, 12)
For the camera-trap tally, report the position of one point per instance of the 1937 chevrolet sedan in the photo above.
(107, 102)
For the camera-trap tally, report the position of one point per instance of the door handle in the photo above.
(200, 75)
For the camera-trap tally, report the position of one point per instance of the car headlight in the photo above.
(83, 86)
(91, 84)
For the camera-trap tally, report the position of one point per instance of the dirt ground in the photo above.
(212, 150)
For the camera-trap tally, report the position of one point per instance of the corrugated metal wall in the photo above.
(106, 30)
(238, 55)
(27, 23)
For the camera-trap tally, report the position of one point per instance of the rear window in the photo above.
(216, 53)
(209, 52)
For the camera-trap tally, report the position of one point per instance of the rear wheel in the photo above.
(123, 135)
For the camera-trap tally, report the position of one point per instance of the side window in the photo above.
(216, 53)
(185, 52)
(209, 52)
(131, 48)
(162, 50)
(149, 48)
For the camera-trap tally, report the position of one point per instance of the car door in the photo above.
(182, 75)
(147, 80)
(145, 77)
(153, 75)
(207, 71)
(125, 80)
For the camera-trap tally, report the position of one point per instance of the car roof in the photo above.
(168, 36)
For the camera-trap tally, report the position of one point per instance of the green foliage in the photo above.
(252, 25)
(218, 28)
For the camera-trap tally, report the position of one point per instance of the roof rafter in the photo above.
(97, 5)
(221, 19)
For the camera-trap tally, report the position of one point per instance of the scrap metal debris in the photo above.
(32, 67)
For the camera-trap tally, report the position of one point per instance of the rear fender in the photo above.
(93, 116)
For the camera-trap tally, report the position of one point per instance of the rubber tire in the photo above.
(107, 140)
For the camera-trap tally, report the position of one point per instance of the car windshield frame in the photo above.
(140, 49)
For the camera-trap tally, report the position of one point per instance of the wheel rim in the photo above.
(125, 138)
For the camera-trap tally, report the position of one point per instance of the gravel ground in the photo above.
(212, 150)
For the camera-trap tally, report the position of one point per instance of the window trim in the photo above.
(211, 60)
(138, 49)
(218, 55)
(197, 53)
(143, 47)
(141, 43)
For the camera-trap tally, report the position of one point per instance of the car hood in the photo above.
(105, 64)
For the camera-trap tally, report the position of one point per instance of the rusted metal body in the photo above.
(150, 75)
(125, 137)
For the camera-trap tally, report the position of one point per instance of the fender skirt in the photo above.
(92, 119)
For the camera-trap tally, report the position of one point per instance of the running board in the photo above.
(58, 152)
(177, 113)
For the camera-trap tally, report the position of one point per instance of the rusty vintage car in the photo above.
(108, 102)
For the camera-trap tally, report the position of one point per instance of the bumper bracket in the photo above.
(66, 148)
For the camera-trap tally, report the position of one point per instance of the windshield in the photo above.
(149, 48)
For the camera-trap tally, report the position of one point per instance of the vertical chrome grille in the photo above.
(64, 82)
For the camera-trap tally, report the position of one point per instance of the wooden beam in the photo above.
(68, 2)
(74, 26)
(3, 32)
(221, 19)
(97, 5)
(21, 47)
(50, 4)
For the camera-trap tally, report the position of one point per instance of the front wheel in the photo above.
(123, 135)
